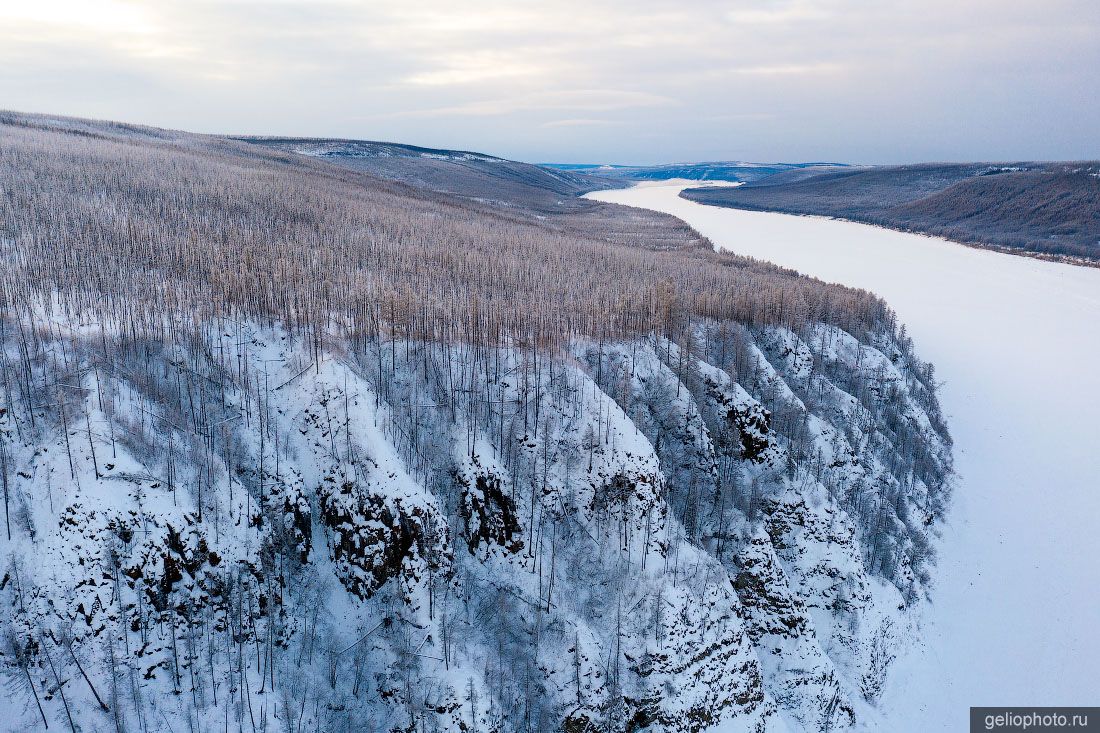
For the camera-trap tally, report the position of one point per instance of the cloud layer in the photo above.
(616, 81)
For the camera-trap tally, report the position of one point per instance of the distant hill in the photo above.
(477, 176)
(738, 171)
(1046, 209)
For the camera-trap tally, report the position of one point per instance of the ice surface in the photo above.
(1016, 342)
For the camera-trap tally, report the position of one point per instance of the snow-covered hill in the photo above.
(240, 530)
(284, 445)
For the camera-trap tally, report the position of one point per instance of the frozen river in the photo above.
(1016, 341)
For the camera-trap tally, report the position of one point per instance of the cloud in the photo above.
(120, 18)
(580, 123)
(824, 67)
(777, 13)
(474, 67)
(577, 100)
(747, 79)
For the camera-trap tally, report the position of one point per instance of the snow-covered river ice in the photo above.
(1015, 618)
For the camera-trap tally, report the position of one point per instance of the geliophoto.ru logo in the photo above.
(1035, 720)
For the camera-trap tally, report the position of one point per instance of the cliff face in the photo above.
(244, 529)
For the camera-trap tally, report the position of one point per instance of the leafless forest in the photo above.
(286, 446)
(135, 227)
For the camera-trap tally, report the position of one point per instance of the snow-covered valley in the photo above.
(1016, 603)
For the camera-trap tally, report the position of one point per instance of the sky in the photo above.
(602, 81)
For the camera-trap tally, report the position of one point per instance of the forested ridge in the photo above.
(114, 218)
(1049, 210)
(289, 446)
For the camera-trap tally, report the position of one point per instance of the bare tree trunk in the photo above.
(58, 681)
(98, 699)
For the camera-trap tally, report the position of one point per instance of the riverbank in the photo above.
(1013, 340)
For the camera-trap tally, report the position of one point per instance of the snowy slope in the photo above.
(239, 528)
(1014, 607)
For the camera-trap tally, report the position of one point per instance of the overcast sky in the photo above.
(636, 81)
